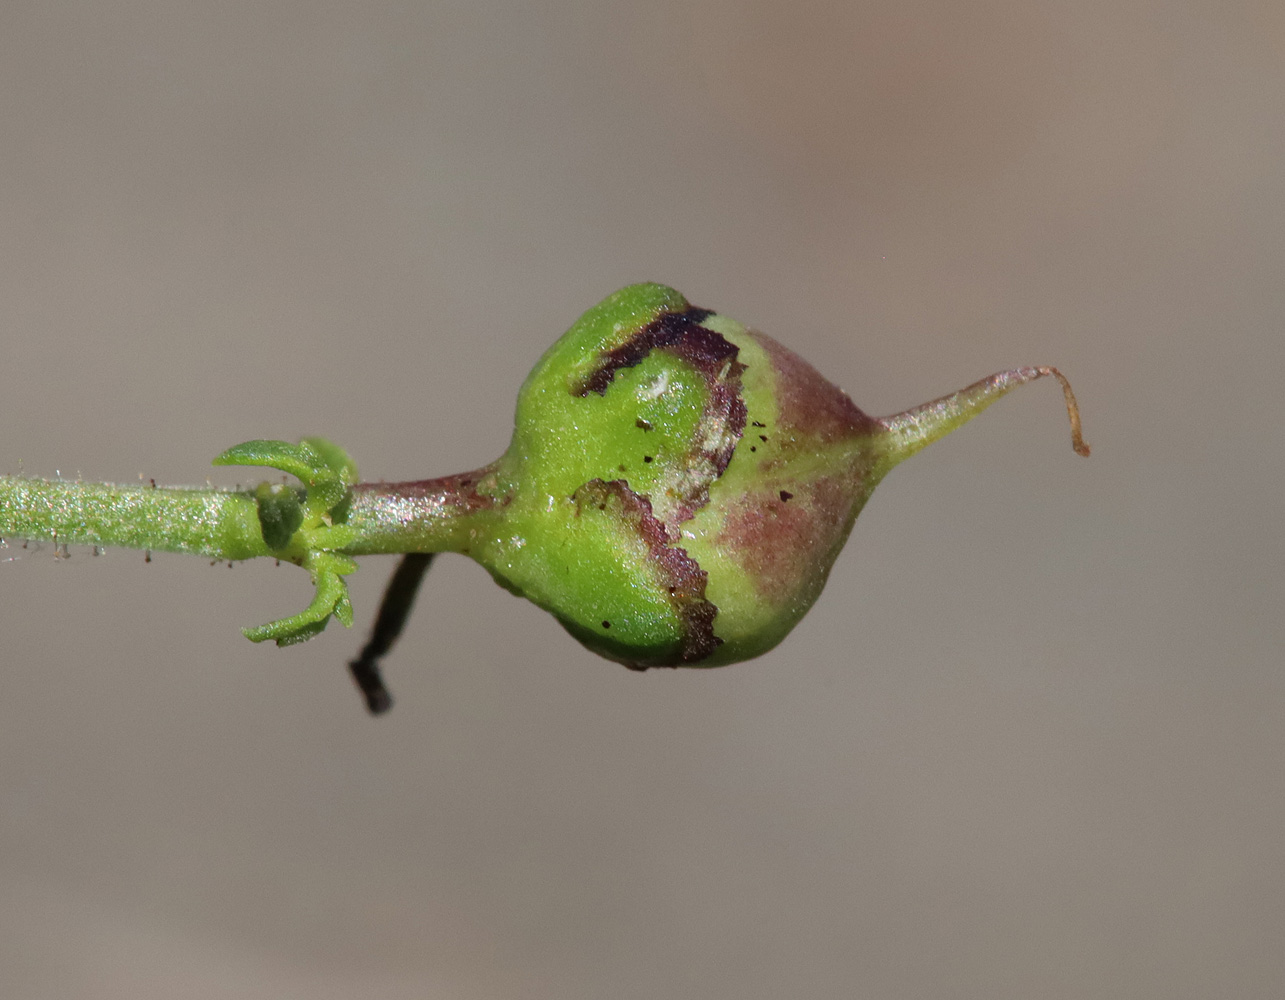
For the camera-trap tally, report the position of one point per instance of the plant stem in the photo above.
(912, 430)
(433, 515)
(428, 515)
(221, 524)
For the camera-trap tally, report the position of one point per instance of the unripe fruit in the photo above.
(678, 487)
(675, 493)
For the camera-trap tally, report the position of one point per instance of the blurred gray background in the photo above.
(1030, 742)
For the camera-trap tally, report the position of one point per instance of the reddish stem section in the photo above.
(427, 515)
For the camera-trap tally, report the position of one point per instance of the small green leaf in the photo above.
(311, 526)
(332, 457)
(327, 570)
(282, 455)
(313, 460)
(321, 465)
(280, 514)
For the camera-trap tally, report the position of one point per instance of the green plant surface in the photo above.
(675, 493)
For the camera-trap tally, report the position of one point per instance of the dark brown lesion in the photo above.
(712, 356)
(721, 426)
(666, 330)
(676, 571)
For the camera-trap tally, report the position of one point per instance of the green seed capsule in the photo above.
(678, 487)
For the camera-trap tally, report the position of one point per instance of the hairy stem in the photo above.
(432, 515)
(221, 524)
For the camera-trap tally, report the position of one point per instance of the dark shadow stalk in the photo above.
(393, 612)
